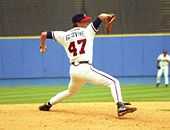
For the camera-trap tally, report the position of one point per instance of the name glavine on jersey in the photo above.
(74, 34)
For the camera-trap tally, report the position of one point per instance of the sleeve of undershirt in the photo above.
(96, 23)
(49, 35)
(93, 27)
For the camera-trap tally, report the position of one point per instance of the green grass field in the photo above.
(40, 94)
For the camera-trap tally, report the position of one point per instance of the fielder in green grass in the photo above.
(78, 44)
(163, 67)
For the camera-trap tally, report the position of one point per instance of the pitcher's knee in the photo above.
(71, 92)
(117, 81)
(113, 82)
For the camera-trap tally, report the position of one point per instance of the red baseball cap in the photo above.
(80, 18)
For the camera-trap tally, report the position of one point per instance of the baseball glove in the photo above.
(158, 67)
(109, 23)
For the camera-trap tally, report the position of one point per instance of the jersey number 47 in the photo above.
(74, 49)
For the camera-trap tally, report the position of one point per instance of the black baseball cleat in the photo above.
(123, 109)
(45, 107)
(157, 85)
(127, 103)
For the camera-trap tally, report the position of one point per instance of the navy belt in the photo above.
(80, 62)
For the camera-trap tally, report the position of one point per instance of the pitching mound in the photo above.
(85, 116)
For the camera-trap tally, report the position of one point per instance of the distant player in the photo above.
(163, 67)
(78, 44)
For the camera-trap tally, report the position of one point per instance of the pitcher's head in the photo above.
(81, 20)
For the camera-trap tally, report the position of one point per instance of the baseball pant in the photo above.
(162, 71)
(85, 73)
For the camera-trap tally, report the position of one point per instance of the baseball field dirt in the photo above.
(85, 116)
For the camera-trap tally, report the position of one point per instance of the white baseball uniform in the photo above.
(164, 68)
(78, 44)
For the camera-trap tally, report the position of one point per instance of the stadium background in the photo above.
(25, 17)
(119, 55)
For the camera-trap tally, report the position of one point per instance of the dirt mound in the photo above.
(85, 116)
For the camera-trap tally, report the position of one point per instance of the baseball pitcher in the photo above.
(78, 44)
(163, 67)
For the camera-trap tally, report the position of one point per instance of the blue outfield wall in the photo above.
(118, 56)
